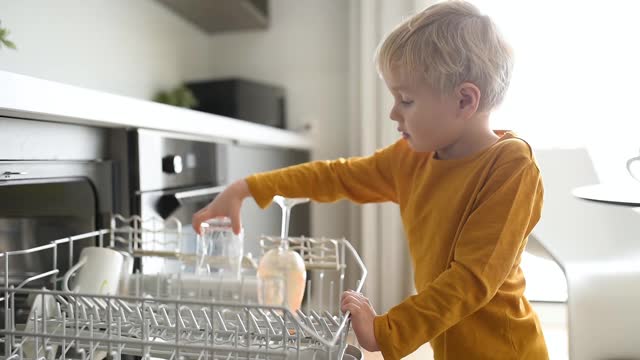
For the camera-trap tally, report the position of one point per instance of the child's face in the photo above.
(427, 120)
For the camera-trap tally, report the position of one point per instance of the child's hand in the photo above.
(228, 204)
(362, 315)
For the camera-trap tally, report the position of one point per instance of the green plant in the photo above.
(3, 39)
(179, 96)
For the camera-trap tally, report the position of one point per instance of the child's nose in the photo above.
(394, 114)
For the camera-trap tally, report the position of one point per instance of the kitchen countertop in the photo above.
(27, 97)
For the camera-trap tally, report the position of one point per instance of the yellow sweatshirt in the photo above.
(466, 221)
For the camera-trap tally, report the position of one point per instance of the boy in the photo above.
(468, 198)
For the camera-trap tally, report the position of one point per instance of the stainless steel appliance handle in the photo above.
(169, 203)
(182, 195)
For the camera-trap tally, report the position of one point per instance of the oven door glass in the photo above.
(34, 213)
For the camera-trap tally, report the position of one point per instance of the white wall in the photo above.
(306, 51)
(130, 48)
(134, 48)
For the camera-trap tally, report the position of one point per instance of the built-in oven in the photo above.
(55, 181)
(172, 177)
(176, 175)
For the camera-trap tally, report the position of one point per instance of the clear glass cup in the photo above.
(219, 250)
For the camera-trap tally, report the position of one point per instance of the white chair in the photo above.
(598, 247)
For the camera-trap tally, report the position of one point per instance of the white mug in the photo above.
(99, 272)
(630, 162)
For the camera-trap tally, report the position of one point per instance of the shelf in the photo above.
(214, 16)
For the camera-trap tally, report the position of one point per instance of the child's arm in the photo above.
(491, 239)
(360, 179)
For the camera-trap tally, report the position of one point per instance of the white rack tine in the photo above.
(120, 336)
(221, 320)
(277, 316)
(123, 316)
(179, 317)
(305, 319)
(101, 303)
(308, 295)
(64, 333)
(331, 290)
(165, 315)
(205, 351)
(267, 321)
(154, 320)
(325, 327)
(95, 313)
(145, 336)
(58, 310)
(91, 351)
(84, 311)
(124, 306)
(62, 300)
(139, 313)
(208, 324)
(241, 324)
(331, 318)
(35, 338)
(254, 321)
(193, 317)
(309, 322)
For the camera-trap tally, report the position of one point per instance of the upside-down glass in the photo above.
(219, 250)
(281, 273)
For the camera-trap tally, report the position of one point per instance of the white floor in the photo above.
(553, 317)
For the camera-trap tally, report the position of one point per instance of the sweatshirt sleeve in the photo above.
(360, 179)
(491, 239)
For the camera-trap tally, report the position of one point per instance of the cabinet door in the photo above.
(244, 160)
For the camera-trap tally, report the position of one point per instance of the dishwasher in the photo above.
(178, 315)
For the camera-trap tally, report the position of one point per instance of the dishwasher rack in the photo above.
(170, 324)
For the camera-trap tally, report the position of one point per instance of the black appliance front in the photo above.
(54, 183)
(49, 201)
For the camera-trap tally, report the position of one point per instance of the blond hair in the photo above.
(451, 43)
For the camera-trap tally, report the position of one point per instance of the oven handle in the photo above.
(182, 195)
(169, 203)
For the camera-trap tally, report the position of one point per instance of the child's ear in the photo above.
(468, 96)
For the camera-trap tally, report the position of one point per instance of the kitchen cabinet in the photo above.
(214, 16)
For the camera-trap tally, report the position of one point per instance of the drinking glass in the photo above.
(219, 250)
(281, 273)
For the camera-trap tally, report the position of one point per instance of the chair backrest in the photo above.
(576, 230)
(595, 244)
